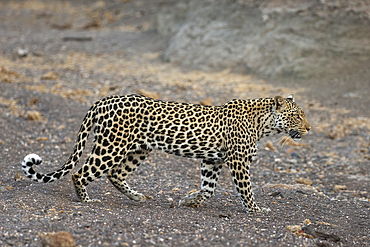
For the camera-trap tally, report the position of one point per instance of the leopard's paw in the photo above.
(259, 210)
(192, 200)
(92, 200)
(138, 197)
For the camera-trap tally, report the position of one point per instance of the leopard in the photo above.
(127, 128)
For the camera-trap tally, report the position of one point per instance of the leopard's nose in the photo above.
(308, 128)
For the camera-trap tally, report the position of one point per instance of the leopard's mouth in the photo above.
(295, 135)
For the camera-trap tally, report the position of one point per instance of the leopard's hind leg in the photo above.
(210, 171)
(117, 176)
(97, 164)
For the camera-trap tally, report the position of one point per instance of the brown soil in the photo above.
(57, 58)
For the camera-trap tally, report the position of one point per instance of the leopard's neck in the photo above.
(256, 116)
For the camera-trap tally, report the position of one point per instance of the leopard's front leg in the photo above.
(210, 171)
(238, 163)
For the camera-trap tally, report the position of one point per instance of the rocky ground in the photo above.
(57, 58)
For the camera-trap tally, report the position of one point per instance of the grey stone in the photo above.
(271, 38)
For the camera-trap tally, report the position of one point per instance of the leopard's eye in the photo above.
(297, 117)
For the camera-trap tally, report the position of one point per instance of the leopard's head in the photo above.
(290, 118)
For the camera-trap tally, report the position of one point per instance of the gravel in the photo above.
(124, 56)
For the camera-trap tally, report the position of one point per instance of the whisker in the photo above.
(283, 140)
(279, 139)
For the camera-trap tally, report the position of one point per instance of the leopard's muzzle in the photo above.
(295, 135)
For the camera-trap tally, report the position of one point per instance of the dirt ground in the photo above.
(57, 58)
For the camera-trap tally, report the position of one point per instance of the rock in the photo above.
(33, 116)
(59, 239)
(292, 161)
(276, 38)
(175, 189)
(17, 177)
(42, 138)
(22, 52)
(340, 187)
(297, 230)
(293, 170)
(310, 230)
(294, 228)
(8, 187)
(306, 222)
(305, 181)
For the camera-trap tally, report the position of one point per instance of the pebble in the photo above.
(340, 187)
(293, 171)
(305, 181)
(22, 52)
(295, 155)
(293, 161)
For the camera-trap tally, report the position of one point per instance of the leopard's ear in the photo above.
(291, 97)
(280, 103)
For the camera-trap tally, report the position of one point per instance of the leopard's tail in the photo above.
(33, 159)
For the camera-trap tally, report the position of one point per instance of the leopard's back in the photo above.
(177, 128)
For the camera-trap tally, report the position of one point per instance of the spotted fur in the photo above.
(127, 128)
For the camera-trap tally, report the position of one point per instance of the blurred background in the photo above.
(323, 46)
(57, 57)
